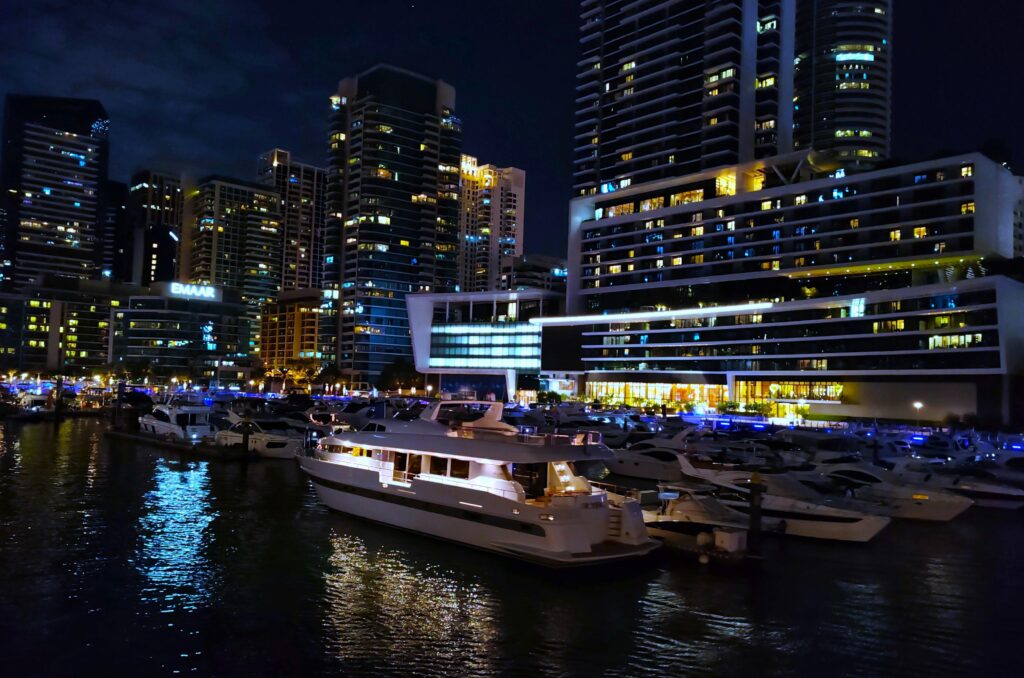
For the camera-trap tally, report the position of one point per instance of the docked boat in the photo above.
(518, 496)
(799, 518)
(861, 481)
(647, 464)
(283, 444)
(179, 420)
(694, 509)
(984, 492)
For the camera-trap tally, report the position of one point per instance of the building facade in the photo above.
(233, 239)
(779, 280)
(539, 272)
(492, 203)
(668, 88)
(54, 174)
(155, 209)
(393, 211)
(116, 247)
(843, 79)
(181, 333)
(292, 333)
(479, 342)
(302, 189)
(60, 326)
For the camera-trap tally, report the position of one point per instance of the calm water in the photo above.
(117, 559)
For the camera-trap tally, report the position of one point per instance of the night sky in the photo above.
(206, 86)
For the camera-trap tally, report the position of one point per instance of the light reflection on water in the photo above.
(173, 536)
(126, 561)
(379, 604)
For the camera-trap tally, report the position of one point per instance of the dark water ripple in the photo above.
(117, 560)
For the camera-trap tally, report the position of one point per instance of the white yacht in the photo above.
(648, 464)
(180, 419)
(282, 444)
(985, 493)
(862, 481)
(798, 518)
(518, 496)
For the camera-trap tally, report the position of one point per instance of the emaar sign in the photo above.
(190, 291)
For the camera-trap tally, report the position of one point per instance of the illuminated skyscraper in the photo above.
(843, 88)
(155, 208)
(492, 203)
(232, 238)
(667, 88)
(55, 156)
(302, 189)
(393, 211)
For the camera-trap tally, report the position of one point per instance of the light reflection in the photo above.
(380, 603)
(174, 538)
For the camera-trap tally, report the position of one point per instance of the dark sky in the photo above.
(206, 86)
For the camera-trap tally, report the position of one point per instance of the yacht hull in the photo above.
(460, 518)
(796, 523)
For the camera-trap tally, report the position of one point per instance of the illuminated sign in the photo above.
(190, 291)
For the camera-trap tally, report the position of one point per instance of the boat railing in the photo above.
(642, 496)
(407, 477)
(580, 439)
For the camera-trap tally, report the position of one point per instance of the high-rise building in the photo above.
(843, 79)
(668, 88)
(302, 189)
(155, 209)
(393, 211)
(778, 283)
(233, 239)
(55, 156)
(491, 206)
(116, 247)
(290, 333)
(539, 271)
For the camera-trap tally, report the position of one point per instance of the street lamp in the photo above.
(917, 408)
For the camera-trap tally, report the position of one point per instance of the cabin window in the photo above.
(439, 466)
(460, 468)
(160, 415)
(415, 464)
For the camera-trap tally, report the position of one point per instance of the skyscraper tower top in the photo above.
(668, 88)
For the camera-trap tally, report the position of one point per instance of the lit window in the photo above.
(686, 197)
(894, 234)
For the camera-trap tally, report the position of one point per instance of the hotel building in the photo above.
(492, 201)
(783, 282)
(479, 342)
(232, 238)
(302, 189)
(54, 174)
(393, 211)
(155, 208)
(668, 88)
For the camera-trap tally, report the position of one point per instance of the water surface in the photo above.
(116, 558)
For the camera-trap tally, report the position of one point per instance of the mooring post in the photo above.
(754, 533)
